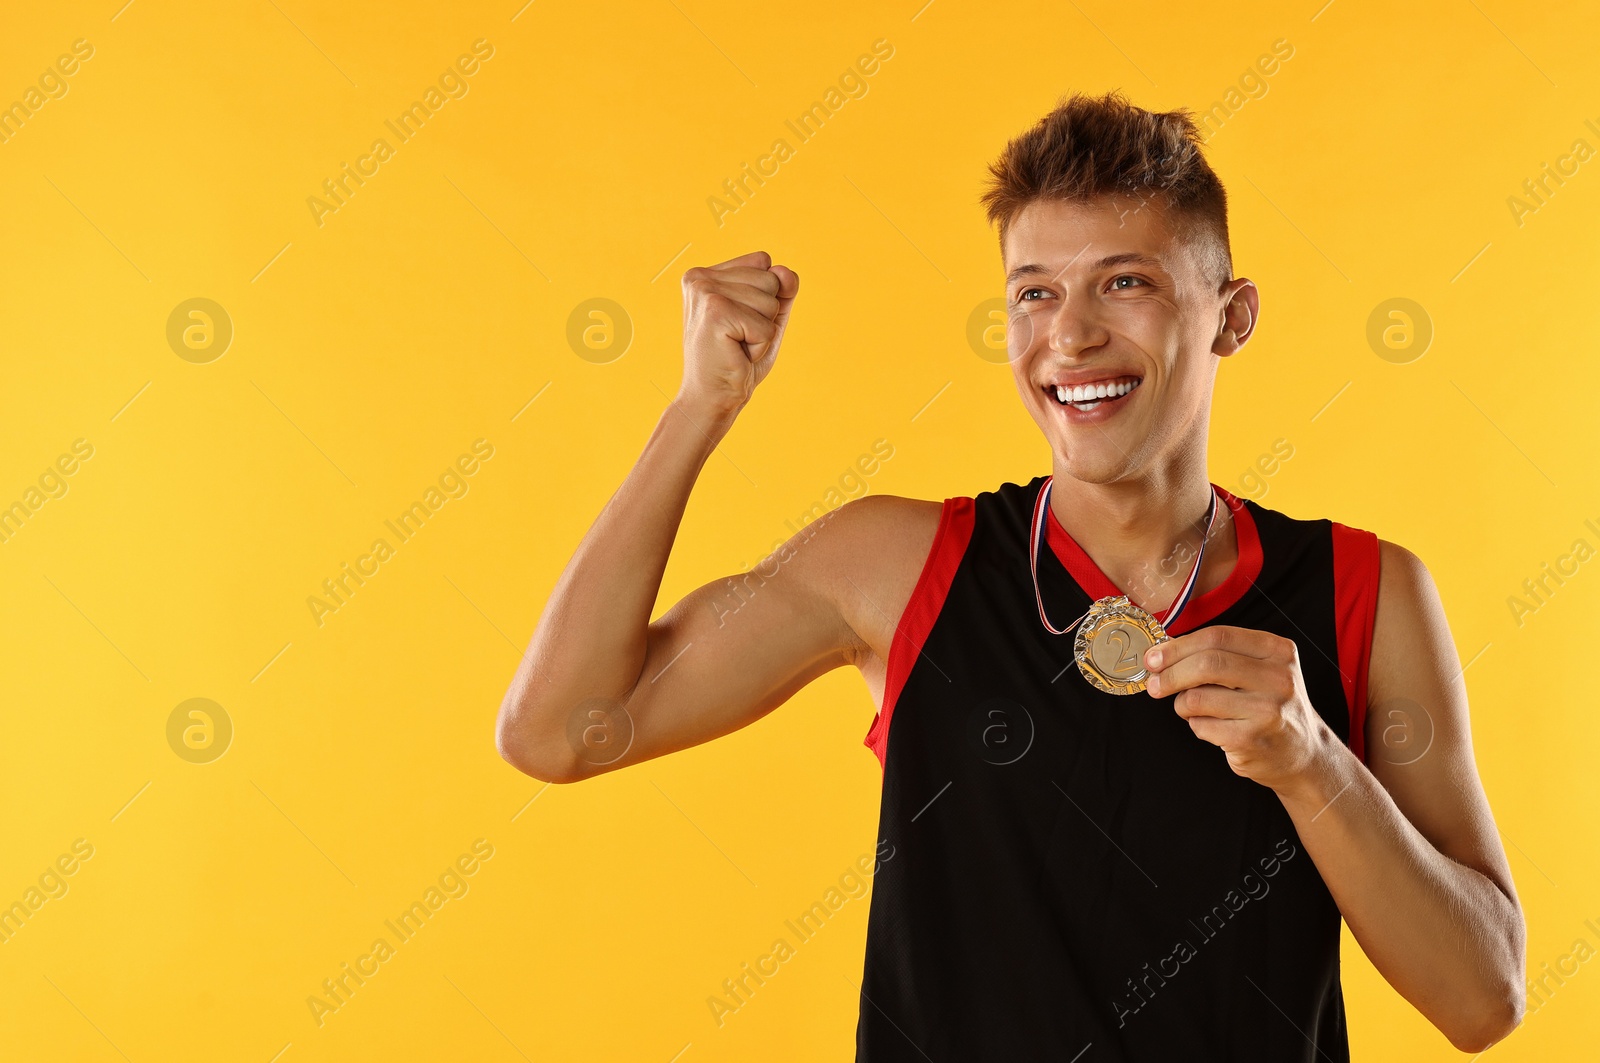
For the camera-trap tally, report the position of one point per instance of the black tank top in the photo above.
(1073, 875)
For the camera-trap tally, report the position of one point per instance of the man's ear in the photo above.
(1241, 310)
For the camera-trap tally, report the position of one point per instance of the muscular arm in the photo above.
(1406, 843)
(601, 686)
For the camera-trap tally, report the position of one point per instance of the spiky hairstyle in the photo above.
(1094, 146)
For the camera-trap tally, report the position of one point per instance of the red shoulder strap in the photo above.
(927, 598)
(1355, 604)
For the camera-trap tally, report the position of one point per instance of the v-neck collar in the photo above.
(1201, 609)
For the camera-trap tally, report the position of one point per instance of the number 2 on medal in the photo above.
(1128, 658)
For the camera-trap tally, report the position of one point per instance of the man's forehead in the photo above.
(1087, 262)
(1051, 236)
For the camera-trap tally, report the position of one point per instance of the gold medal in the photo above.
(1114, 634)
(1111, 643)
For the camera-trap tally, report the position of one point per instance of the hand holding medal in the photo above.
(1239, 689)
(1114, 634)
(1243, 691)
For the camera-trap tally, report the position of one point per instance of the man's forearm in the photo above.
(1443, 934)
(591, 639)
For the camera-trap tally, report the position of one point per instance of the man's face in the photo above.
(1107, 295)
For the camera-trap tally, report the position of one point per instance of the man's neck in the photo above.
(1145, 534)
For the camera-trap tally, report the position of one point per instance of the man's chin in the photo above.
(1093, 463)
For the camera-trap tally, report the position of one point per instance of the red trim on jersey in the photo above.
(1355, 605)
(1200, 609)
(927, 598)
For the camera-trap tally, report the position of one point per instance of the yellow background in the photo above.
(429, 310)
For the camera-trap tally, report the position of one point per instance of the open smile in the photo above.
(1093, 395)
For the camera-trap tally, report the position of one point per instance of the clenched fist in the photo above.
(734, 315)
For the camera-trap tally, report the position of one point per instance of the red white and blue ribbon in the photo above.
(1041, 508)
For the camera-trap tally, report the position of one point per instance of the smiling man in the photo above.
(1132, 727)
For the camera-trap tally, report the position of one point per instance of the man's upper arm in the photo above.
(735, 649)
(1418, 733)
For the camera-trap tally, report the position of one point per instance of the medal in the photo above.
(1114, 634)
(1111, 642)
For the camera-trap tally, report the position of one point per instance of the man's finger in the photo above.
(764, 303)
(1208, 701)
(1220, 733)
(1222, 668)
(1242, 640)
(761, 279)
(753, 259)
(752, 328)
(788, 288)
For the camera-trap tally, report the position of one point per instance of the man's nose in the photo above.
(1075, 324)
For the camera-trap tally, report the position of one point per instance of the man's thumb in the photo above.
(788, 288)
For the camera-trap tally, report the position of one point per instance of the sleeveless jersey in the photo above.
(1073, 875)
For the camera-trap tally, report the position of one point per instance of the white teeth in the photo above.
(1091, 393)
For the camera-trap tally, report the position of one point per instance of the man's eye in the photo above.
(1125, 277)
(1022, 296)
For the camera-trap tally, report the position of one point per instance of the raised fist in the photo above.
(734, 314)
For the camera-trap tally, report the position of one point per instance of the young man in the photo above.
(1131, 779)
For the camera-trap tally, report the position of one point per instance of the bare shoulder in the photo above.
(1418, 728)
(1410, 631)
(875, 549)
(1400, 568)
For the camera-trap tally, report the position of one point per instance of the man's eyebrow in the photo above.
(1032, 269)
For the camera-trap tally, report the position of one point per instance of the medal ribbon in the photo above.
(1041, 508)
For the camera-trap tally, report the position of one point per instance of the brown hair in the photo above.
(1096, 146)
